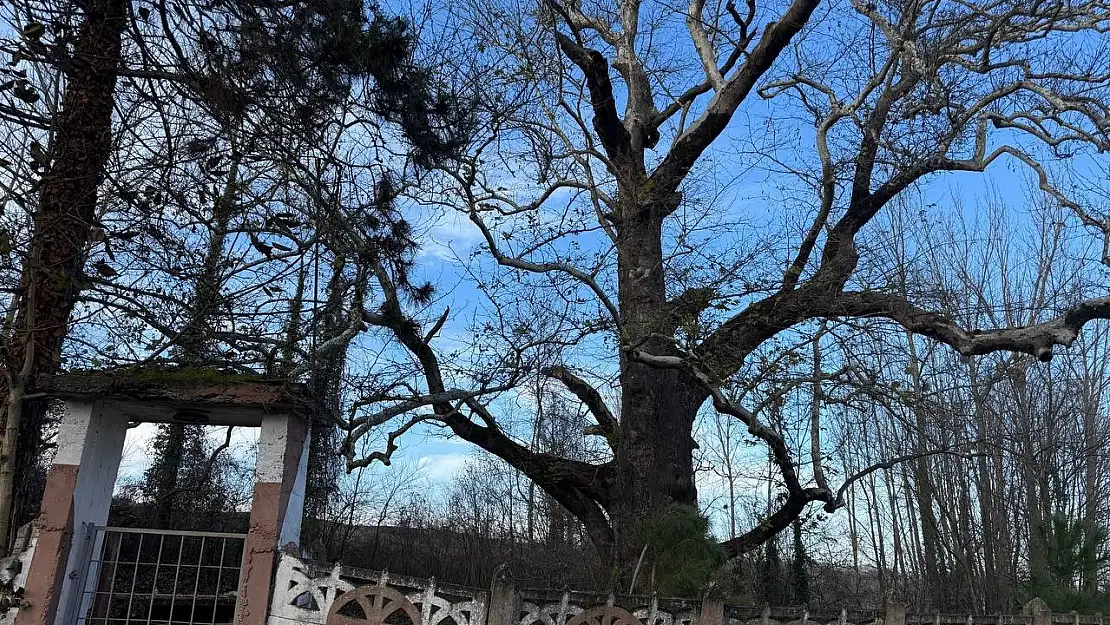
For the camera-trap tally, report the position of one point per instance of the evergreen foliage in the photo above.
(299, 64)
(681, 556)
(1076, 554)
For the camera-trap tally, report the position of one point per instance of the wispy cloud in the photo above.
(442, 467)
(451, 237)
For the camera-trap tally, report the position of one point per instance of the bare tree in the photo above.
(584, 202)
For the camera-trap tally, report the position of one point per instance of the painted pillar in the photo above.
(78, 495)
(276, 510)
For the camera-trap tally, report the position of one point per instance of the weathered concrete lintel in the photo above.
(208, 397)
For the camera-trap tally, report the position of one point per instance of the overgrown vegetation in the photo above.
(1077, 556)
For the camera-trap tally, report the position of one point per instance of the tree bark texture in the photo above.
(63, 223)
(654, 455)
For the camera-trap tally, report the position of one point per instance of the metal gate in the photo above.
(157, 577)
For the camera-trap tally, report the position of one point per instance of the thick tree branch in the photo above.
(690, 145)
(790, 510)
(1037, 340)
(607, 425)
(727, 347)
(580, 486)
(607, 122)
(707, 53)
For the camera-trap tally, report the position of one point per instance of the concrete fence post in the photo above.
(895, 613)
(1039, 610)
(712, 611)
(504, 602)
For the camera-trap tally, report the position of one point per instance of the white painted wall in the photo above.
(294, 511)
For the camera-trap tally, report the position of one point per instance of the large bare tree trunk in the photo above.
(62, 226)
(654, 455)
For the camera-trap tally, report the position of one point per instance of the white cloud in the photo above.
(452, 236)
(442, 467)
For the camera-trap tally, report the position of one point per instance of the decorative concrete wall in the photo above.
(537, 609)
(317, 594)
(306, 592)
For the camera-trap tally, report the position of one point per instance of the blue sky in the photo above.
(748, 196)
(451, 237)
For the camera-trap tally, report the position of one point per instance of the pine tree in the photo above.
(681, 556)
(1075, 552)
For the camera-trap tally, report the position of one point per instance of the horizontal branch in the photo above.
(1037, 340)
(384, 457)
